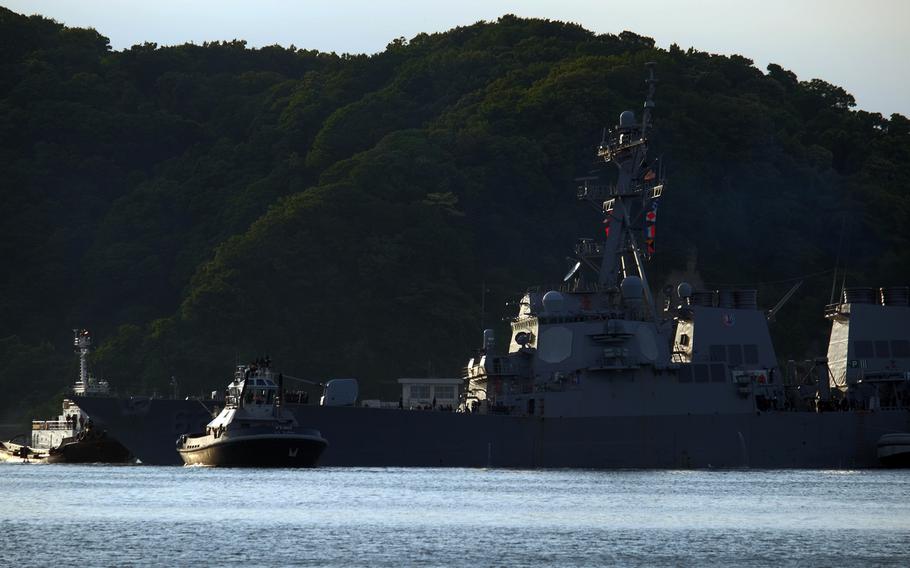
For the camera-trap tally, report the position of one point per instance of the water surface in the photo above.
(172, 516)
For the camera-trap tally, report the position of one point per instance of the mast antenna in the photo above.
(840, 246)
(649, 100)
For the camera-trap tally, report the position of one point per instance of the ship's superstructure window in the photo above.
(900, 348)
(420, 391)
(446, 392)
(718, 353)
(431, 393)
(684, 340)
(718, 375)
(882, 350)
(864, 349)
(701, 373)
(734, 355)
(750, 354)
(685, 373)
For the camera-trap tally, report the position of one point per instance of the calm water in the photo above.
(80, 516)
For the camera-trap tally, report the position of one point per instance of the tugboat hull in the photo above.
(265, 450)
(894, 450)
(97, 450)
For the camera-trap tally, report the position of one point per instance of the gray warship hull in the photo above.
(372, 437)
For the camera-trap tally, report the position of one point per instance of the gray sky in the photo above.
(861, 46)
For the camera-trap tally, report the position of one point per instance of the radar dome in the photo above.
(627, 119)
(553, 302)
(684, 290)
(631, 288)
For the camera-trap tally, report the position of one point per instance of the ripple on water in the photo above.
(165, 516)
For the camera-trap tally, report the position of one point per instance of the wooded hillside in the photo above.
(202, 204)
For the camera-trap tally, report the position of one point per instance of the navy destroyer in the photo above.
(253, 429)
(596, 374)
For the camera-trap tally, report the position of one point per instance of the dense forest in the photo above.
(353, 215)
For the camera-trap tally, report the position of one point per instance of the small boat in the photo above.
(72, 437)
(253, 429)
(894, 449)
(20, 453)
(89, 446)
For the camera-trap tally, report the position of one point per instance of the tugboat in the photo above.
(72, 437)
(253, 430)
(894, 450)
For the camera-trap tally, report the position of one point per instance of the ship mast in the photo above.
(629, 207)
(82, 341)
(86, 384)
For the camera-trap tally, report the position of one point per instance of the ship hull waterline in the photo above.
(101, 450)
(284, 450)
(368, 437)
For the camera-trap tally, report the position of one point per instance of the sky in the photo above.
(860, 46)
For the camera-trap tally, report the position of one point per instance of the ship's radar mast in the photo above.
(86, 383)
(629, 205)
(82, 341)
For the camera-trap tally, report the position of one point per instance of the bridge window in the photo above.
(701, 373)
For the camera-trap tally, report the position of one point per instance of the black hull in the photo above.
(257, 451)
(896, 461)
(373, 437)
(103, 450)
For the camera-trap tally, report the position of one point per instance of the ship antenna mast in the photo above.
(649, 100)
(629, 206)
(82, 341)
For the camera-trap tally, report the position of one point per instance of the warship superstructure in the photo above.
(596, 374)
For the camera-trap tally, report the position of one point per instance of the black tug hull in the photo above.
(896, 461)
(256, 451)
(103, 450)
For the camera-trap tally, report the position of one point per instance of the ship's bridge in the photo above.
(252, 386)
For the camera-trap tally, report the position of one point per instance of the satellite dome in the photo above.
(553, 302)
(684, 290)
(627, 119)
(631, 288)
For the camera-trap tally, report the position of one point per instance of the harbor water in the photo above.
(96, 515)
